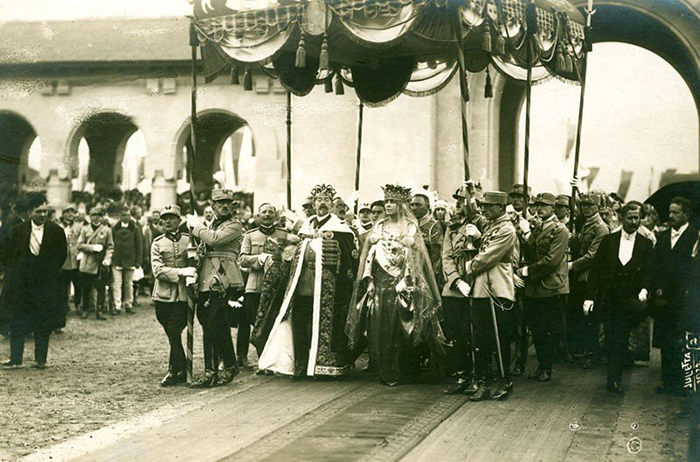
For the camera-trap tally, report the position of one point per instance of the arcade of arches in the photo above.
(104, 125)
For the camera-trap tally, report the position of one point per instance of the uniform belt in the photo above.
(222, 254)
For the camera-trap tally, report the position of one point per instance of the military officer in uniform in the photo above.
(261, 246)
(546, 282)
(171, 269)
(517, 199)
(582, 335)
(461, 244)
(561, 209)
(219, 280)
(432, 231)
(493, 293)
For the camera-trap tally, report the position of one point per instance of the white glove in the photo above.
(574, 182)
(188, 272)
(464, 288)
(525, 271)
(643, 294)
(262, 258)
(472, 231)
(524, 226)
(518, 281)
(192, 221)
(587, 307)
(97, 248)
(570, 266)
(190, 280)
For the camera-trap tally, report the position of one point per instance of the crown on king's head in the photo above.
(323, 190)
(397, 193)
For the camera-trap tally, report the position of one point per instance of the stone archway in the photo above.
(17, 136)
(106, 135)
(669, 29)
(215, 128)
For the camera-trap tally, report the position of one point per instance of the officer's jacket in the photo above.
(548, 275)
(219, 263)
(590, 236)
(492, 268)
(72, 235)
(433, 236)
(457, 250)
(90, 261)
(168, 253)
(256, 242)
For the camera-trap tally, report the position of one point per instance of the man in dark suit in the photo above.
(33, 295)
(618, 283)
(672, 262)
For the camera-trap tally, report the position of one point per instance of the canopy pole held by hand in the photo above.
(464, 92)
(289, 150)
(358, 160)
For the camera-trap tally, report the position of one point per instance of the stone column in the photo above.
(58, 190)
(163, 191)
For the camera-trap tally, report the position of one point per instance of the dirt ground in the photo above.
(99, 372)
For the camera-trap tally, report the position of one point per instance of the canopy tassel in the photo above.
(301, 52)
(561, 62)
(486, 39)
(328, 84)
(569, 63)
(234, 76)
(248, 80)
(324, 58)
(500, 44)
(488, 89)
(339, 87)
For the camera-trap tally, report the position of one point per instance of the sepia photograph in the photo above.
(350, 230)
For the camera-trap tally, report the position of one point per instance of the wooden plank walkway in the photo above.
(572, 418)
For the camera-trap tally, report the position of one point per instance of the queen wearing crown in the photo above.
(396, 301)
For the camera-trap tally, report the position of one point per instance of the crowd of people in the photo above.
(461, 289)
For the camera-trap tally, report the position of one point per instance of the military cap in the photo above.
(97, 211)
(545, 198)
(562, 199)
(494, 198)
(519, 188)
(364, 206)
(308, 203)
(170, 209)
(590, 198)
(460, 193)
(222, 195)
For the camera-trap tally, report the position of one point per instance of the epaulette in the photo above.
(251, 231)
(159, 237)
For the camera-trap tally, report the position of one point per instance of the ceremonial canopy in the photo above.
(384, 48)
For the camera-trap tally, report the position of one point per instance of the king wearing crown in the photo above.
(308, 334)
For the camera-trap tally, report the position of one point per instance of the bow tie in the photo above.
(675, 232)
(627, 237)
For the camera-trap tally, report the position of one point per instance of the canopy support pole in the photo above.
(464, 93)
(194, 43)
(358, 160)
(289, 150)
(579, 127)
(531, 19)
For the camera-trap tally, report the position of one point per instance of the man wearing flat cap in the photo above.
(546, 283)
(219, 280)
(562, 209)
(493, 293)
(583, 327)
(70, 274)
(96, 247)
(308, 336)
(171, 269)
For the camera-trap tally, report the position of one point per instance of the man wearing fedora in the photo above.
(219, 280)
(32, 299)
(583, 328)
(618, 286)
(493, 296)
(171, 269)
(546, 282)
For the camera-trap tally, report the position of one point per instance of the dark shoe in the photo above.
(545, 375)
(84, 315)
(227, 375)
(535, 375)
(130, 311)
(505, 388)
(458, 388)
(180, 377)
(210, 379)
(99, 317)
(614, 387)
(482, 393)
(117, 313)
(368, 368)
(168, 380)
(243, 363)
(58, 331)
(472, 388)
(519, 370)
(11, 365)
